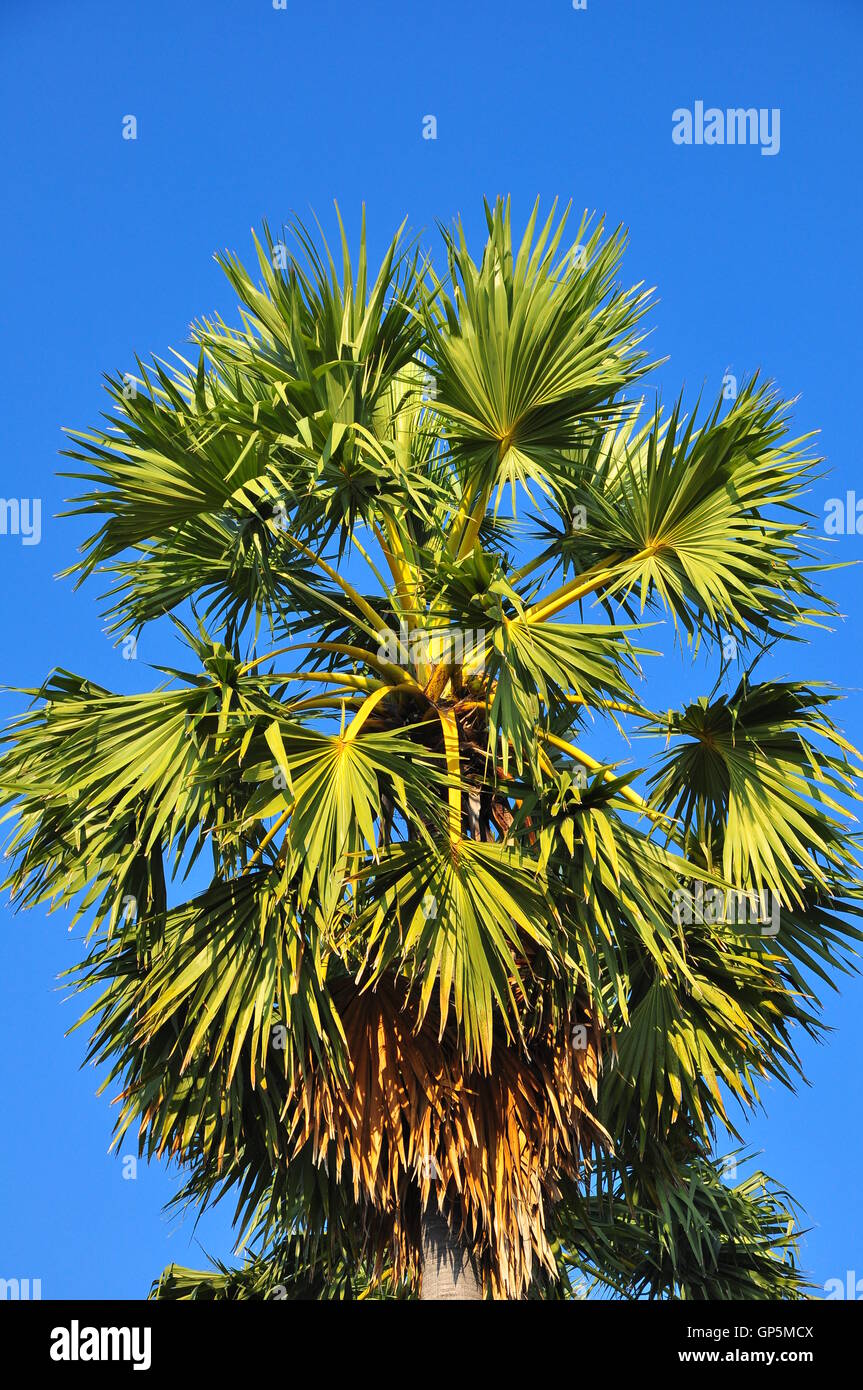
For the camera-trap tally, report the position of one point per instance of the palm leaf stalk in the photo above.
(442, 984)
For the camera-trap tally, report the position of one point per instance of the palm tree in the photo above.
(455, 1007)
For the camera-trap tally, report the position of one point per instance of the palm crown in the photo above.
(412, 532)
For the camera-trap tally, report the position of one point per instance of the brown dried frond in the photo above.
(413, 1128)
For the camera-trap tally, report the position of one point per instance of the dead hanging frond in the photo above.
(411, 1128)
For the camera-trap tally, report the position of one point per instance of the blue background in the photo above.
(247, 112)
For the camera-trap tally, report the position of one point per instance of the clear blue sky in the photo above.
(246, 112)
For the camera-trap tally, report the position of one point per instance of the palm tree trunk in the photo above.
(449, 1273)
